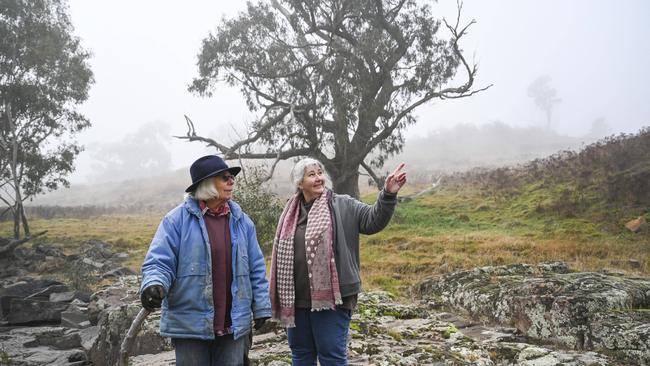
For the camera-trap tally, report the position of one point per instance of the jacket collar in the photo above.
(192, 206)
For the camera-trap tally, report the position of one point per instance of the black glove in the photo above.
(259, 322)
(152, 297)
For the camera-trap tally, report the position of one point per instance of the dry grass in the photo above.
(131, 234)
(395, 263)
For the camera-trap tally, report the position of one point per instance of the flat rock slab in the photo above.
(67, 296)
(45, 293)
(28, 311)
(32, 346)
(57, 339)
(26, 287)
(581, 310)
(73, 317)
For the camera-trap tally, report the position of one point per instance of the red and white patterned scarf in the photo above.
(324, 281)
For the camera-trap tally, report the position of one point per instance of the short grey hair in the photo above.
(298, 172)
(205, 191)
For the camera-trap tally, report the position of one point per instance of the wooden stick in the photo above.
(129, 339)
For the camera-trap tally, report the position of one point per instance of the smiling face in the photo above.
(313, 183)
(225, 184)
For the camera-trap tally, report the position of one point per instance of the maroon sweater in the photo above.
(216, 222)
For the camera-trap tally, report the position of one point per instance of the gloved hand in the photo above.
(259, 322)
(152, 296)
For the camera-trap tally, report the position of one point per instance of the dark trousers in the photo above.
(223, 351)
(322, 334)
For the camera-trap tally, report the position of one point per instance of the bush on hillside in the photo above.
(614, 172)
(262, 205)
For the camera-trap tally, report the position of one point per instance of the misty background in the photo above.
(594, 54)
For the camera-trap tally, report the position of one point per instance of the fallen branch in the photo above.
(13, 244)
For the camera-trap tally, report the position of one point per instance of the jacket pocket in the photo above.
(191, 269)
(244, 288)
(187, 291)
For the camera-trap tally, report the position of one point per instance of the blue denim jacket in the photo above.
(179, 260)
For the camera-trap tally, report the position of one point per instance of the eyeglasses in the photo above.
(226, 178)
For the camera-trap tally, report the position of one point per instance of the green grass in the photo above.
(458, 228)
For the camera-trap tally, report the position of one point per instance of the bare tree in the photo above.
(336, 80)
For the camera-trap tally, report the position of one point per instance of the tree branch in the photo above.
(11, 205)
(13, 244)
(5, 211)
(288, 74)
(229, 152)
(448, 93)
(379, 181)
(306, 51)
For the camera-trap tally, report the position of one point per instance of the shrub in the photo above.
(263, 206)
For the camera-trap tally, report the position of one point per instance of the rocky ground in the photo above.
(384, 332)
(510, 315)
(44, 321)
(605, 311)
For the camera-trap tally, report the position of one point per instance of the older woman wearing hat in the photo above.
(205, 269)
(315, 268)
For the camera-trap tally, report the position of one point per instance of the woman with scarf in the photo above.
(315, 267)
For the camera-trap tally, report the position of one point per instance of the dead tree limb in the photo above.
(13, 244)
(379, 181)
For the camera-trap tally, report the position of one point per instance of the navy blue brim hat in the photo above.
(206, 167)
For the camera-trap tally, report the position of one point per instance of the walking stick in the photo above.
(129, 339)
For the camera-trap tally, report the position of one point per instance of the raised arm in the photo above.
(373, 219)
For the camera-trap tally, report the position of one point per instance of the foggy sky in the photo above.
(597, 52)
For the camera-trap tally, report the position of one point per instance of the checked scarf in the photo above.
(323, 281)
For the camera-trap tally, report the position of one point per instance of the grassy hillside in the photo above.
(571, 206)
(457, 228)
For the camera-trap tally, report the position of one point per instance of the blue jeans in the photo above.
(322, 334)
(223, 350)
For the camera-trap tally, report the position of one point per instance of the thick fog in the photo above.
(593, 53)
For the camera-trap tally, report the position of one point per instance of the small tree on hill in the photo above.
(545, 96)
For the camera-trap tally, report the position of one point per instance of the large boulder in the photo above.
(581, 310)
(120, 305)
(113, 326)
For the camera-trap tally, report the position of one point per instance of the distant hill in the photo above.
(463, 147)
(451, 150)
(150, 194)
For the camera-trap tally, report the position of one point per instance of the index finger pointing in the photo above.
(399, 167)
